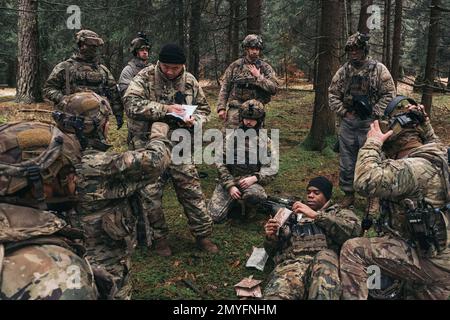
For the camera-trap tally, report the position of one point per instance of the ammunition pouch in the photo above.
(428, 228)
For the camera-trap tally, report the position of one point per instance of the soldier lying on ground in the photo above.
(306, 248)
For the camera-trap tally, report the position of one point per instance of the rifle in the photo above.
(272, 204)
(361, 106)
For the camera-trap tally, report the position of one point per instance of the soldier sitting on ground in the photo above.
(240, 184)
(306, 248)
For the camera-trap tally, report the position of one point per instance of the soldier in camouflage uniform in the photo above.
(306, 248)
(413, 184)
(140, 48)
(153, 93)
(83, 72)
(106, 185)
(359, 92)
(243, 183)
(41, 255)
(247, 78)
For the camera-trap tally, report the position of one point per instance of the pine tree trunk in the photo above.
(395, 69)
(254, 10)
(364, 16)
(28, 88)
(433, 40)
(194, 38)
(349, 17)
(323, 123)
(387, 34)
(236, 27)
(180, 13)
(230, 32)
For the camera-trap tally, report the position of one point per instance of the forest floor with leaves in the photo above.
(192, 274)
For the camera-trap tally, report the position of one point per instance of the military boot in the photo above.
(205, 244)
(348, 200)
(162, 248)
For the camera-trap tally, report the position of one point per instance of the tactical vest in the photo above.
(243, 169)
(243, 87)
(363, 82)
(163, 91)
(302, 238)
(83, 76)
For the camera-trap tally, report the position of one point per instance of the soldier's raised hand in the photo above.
(254, 70)
(376, 133)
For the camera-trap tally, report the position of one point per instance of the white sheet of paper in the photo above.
(188, 111)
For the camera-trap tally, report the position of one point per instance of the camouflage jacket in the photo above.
(372, 79)
(239, 85)
(417, 177)
(129, 72)
(231, 174)
(83, 76)
(331, 228)
(149, 95)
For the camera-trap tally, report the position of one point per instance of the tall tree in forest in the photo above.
(323, 123)
(433, 40)
(387, 34)
(364, 16)
(194, 37)
(28, 89)
(254, 11)
(395, 69)
(236, 28)
(180, 21)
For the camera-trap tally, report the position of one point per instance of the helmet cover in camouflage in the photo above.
(252, 41)
(358, 40)
(139, 43)
(88, 37)
(86, 114)
(252, 109)
(34, 150)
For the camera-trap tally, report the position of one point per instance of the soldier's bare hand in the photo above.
(271, 228)
(223, 115)
(254, 70)
(234, 193)
(420, 108)
(350, 115)
(376, 133)
(189, 121)
(247, 182)
(301, 208)
(175, 108)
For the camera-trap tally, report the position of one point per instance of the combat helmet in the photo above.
(358, 40)
(88, 37)
(252, 109)
(86, 115)
(33, 154)
(253, 41)
(140, 42)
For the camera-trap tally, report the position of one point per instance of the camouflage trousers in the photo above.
(110, 242)
(186, 183)
(352, 136)
(430, 278)
(232, 120)
(45, 272)
(308, 277)
(221, 202)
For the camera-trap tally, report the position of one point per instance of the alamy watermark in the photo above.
(74, 20)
